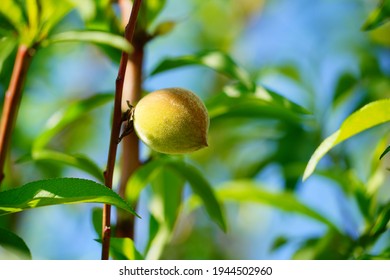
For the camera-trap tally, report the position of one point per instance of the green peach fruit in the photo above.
(172, 121)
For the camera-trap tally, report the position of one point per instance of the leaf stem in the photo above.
(115, 130)
(12, 100)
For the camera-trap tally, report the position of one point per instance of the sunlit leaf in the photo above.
(164, 28)
(68, 115)
(51, 14)
(158, 242)
(7, 45)
(13, 13)
(380, 15)
(58, 191)
(33, 15)
(13, 245)
(124, 249)
(164, 208)
(78, 161)
(201, 188)
(141, 178)
(372, 114)
(167, 189)
(263, 104)
(245, 191)
(215, 60)
(96, 37)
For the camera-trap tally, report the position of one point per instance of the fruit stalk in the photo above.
(115, 129)
(12, 100)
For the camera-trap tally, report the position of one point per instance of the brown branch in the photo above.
(12, 100)
(115, 130)
(130, 145)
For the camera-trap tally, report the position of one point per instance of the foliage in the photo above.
(189, 205)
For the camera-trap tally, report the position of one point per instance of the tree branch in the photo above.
(12, 100)
(115, 130)
(130, 145)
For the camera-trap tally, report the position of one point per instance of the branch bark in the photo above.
(12, 100)
(130, 145)
(115, 130)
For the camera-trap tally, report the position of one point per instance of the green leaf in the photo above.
(58, 191)
(96, 37)
(234, 103)
(51, 13)
(381, 224)
(97, 217)
(98, 15)
(13, 13)
(13, 245)
(245, 191)
(68, 115)
(385, 152)
(215, 60)
(140, 178)
(370, 115)
(124, 249)
(79, 161)
(164, 207)
(33, 15)
(167, 191)
(329, 246)
(149, 11)
(379, 16)
(279, 242)
(201, 187)
(164, 28)
(7, 45)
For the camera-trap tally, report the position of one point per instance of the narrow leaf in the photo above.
(378, 16)
(51, 14)
(124, 249)
(58, 191)
(79, 161)
(215, 60)
(97, 217)
(14, 245)
(370, 115)
(10, 10)
(385, 152)
(96, 37)
(167, 190)
(141, 178)
(7, 45)
(149, 12)
(263, 104)
(32, 10)
(245, 191)
(68, 115)
(202, 188)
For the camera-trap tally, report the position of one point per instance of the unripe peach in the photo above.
(172, 121)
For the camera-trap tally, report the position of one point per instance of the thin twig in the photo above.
(12, 100)
(115, 130)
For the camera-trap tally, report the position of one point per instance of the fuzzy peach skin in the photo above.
(172, 121)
